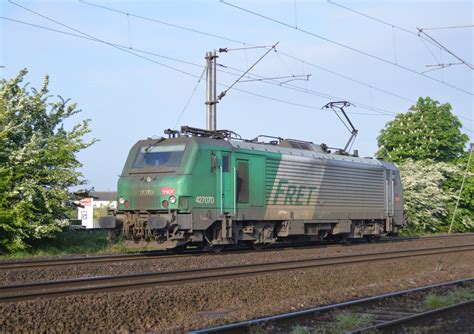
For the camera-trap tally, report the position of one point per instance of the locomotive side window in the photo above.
(159, 156)
(242, 181)
(213, 162)
(225, 163)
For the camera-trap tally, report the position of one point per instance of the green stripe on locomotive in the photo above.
(206, 170)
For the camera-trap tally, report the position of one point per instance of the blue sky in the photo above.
(129, 98)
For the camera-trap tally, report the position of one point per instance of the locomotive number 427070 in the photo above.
(205, 199)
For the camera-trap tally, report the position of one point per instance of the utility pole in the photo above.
(211, 91)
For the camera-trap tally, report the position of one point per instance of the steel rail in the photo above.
(153, 255)
(367, 300)
(417, 316)
(7, 265)
(119, 282)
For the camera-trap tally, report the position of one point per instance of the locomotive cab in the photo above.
(153, 189)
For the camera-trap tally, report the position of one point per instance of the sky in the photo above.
(135, 71)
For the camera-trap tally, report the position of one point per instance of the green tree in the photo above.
(428, 131)
(428, 145)
(38, 161)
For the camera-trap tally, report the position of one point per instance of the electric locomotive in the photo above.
(213, 189)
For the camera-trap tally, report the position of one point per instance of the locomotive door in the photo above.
(249, 187)
(225, 183)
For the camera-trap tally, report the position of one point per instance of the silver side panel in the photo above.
(324, 189)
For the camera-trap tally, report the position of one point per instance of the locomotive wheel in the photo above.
(216, 249)
(373, 239)
(180, 249)
(258, 246)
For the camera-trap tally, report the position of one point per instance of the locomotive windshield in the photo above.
(159, 156)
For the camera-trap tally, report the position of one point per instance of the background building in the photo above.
(95, 206)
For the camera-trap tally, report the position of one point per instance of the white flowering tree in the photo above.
(428, 202)
(429, 147)
(37, 161)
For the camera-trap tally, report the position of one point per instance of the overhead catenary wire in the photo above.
(163, 22)
(345, 46)
(296, 88)
(293, 87)
(392, 25)
(446, 49)
(223, 93)
(129, 32)
(245, 48)
(287, 86)
(294, 77)
(427, 48)
(102, 41)
(440, 66)
(190, 98)
(162, 64)
(319, 94)
(452, 27)
(421, 38)
(197, 31)
(125, 49)
(158, 63)
(394, 46)
(372, 18)
(343, 76)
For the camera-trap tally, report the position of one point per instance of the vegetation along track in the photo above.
(396, 312)
(150, 255)
(120, 282)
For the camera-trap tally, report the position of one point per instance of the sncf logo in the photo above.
(167, 191)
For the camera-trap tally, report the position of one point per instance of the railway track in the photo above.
(388, 313)
(44, 289)
(102, 259)
(57, 262)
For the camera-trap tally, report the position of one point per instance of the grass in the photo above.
(350, 321)
(433, 301)
(71, 242)
(300, 330)
(257, 329)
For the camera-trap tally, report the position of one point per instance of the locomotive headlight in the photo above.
(172, 199)
(121, 200)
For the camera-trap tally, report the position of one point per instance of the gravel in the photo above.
(176, 309)
(211, 260)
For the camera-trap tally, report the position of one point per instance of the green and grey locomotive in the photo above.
(206, 188)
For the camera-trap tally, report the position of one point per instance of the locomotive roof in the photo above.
(296, 152)
(314, 152)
